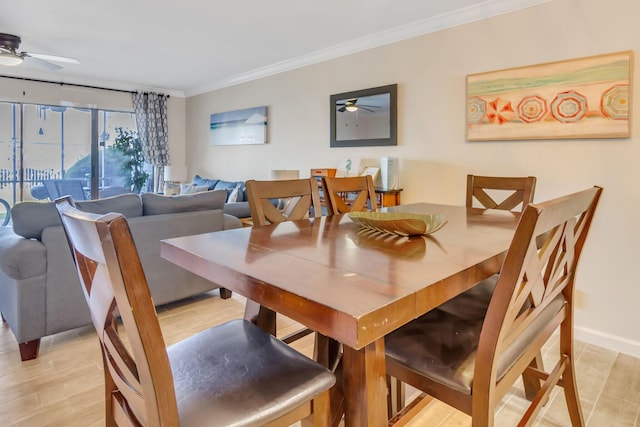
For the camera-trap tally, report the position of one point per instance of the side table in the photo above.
(386, 198)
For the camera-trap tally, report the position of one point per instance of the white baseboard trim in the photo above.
(612, 342)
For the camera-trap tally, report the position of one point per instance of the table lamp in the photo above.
(173, 176)
(280, 174)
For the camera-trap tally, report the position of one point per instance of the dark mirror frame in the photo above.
(392, 90)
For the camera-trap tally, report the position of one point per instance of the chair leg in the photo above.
(327, 352)
(225, 293)
(109, 388)
(322, 410)
(396, 397)
(569, 374)
(532, 384)
(483, 409)
(260, 316)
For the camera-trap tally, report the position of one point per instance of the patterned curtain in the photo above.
(151, 117)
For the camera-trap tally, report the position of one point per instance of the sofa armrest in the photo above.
(231, 221)
(21, 258)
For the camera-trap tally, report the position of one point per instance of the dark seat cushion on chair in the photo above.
(442, 346)
(234, 372)
(473, 303)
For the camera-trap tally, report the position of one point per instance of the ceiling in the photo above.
(189, 46)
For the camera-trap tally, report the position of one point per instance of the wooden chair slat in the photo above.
(514, 192)
(301, 195)
(359, 190)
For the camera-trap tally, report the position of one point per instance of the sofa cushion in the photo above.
(129, 205)
(192, 188)
(229, 186)
(30, 218)
(155, 204)
(238, 209)
(200, 181)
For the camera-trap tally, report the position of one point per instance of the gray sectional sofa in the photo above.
(40, 293)
(237, 204)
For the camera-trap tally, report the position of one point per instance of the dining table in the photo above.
(350, 283)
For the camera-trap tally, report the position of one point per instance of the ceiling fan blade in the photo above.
(53, 58)
(342, 109)
(41, 63)
(366, 109)
(369, 106)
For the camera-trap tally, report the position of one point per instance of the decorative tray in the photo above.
(400, 223)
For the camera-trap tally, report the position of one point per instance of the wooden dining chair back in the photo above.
(226, 375)
(283, 200)
(470, 363)
(346, 194)
(512, 193)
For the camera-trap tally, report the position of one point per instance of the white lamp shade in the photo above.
(280, 174)
(175, 173)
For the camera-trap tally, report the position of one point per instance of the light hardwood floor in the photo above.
(64, 385)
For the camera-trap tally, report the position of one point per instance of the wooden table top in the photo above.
(336, 279)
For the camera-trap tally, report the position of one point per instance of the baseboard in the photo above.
(611, 342)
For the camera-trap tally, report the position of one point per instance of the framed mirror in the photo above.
(365, 117)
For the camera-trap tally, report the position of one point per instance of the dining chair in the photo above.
(283, 200)
(278, 201)
(233, 374)
(471, 362)
(346, 194)
(513, 193)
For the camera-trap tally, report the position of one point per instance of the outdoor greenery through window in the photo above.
(96, 150)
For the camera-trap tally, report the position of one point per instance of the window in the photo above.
(44, 142)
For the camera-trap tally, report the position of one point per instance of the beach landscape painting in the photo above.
(247, 126)
(580, 98)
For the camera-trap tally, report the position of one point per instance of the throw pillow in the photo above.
(171, 188)
(156, 204)
(233, 195)
(191, 188)
(230, 185)
(210, 183)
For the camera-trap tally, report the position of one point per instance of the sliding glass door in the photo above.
(41, 144)
(9, 157)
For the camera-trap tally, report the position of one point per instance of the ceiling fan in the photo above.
(10, 56)
(352, 105)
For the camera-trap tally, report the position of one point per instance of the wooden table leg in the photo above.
(365, 388)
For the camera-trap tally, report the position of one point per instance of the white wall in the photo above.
(434, 156)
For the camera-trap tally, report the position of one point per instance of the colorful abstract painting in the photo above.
(248, 126)
(579, 98)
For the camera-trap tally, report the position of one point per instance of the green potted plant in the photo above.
(127, 143)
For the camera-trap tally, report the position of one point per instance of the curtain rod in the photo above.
(28, 79)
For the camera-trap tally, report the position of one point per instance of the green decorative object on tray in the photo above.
(400, 223)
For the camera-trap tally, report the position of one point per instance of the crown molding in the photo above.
(478, 12)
